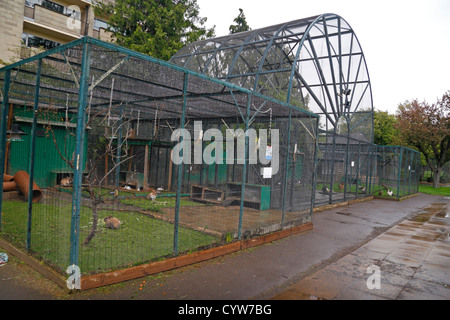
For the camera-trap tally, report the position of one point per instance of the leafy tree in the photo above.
(158, 28)
(384, 130)
(241, 23)
(427, 128)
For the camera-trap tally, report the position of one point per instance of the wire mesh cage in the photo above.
(397, 171)
(112, 158)
(135, 159)
(315, 63)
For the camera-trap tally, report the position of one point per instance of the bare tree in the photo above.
(104, 146)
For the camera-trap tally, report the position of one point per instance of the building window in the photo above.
(33, 41)
(31, 3)
(50, 5)
(100, 24)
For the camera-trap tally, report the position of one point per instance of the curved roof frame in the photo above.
(316, 62)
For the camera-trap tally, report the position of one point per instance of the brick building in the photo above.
(31, 26)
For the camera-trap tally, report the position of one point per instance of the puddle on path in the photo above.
(438, 210)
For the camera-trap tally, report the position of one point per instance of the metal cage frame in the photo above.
(315, 63)
(311, 74)
(63, 78)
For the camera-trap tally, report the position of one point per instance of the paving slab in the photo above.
(412, 257)
(407, 240)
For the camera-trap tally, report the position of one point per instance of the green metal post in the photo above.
(180, 171)
(283, 203)
(410, 169)
(347, 159)
(373, 167)
(119, 148)
(32, 152)
(4, 113)
(79, 155)
(399, 173)
(316, 165)
(358, 167)
(244, 170)
(368, 169)
(332, 168)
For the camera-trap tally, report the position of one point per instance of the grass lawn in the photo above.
(442, 191)
(140, 238)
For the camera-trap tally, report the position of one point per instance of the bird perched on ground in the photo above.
(341, 186)
(112, 222)
(160, 189)
(66, 182)
(152, 194)
(390, 192)
(325, 190)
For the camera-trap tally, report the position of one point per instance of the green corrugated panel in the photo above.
(265, 198)
(48, 162)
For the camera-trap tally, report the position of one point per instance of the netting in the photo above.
(113, 158)
(397, 171)
(345, 169)
(315, 63)
(136, 160)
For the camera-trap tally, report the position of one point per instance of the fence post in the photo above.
(180, 171)
(332, 168)
(5, 106)
(286, 168)
(244, 170)
(79, 155)
(358, 167)
(315, 168)
(119, 149)
(411, 175)
(32, 152)
(399, 173)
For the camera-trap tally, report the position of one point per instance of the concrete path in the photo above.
(328, 262)
(410, 261)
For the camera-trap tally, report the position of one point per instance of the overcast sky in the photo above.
(406, 42)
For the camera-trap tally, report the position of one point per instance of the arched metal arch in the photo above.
(314, 63)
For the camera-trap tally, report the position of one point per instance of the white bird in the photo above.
(160, 189)
(390, 192)
(127, 188)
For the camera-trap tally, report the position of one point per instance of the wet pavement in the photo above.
(405, 245)
(410, 261)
